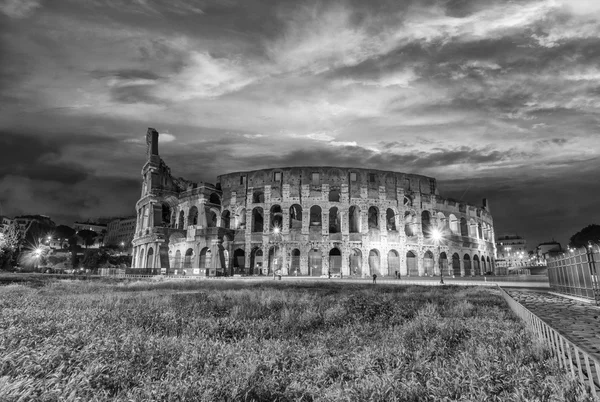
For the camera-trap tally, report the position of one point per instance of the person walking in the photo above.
(374, 278)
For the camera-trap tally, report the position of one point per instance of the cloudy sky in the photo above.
(494, 98)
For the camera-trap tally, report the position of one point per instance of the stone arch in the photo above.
(239, 261)
(188, 257)
(150, 258)
(177, 261)
(173, 219)
(275, 259)
(335, 221)
(444, 263)
(276, 217)
(464, 230)
(334, 195)
(426, 223)
(193, 216)
(390, 218)
(476, 266)
(258, 220)
(472, 228)
(181, 222)
(374, 262)
(354, 219)
(241, 219)
(256, 261)
(480, 231)
(295, 217)
(295, 262)
(141, 263)
(442, 222)
(211, 217)
(467, 264)
(428, 263)
(453, 223)
(258, 197)
(393, 263)
(355, 262)
(315, 262)
(226, 219)
(409, 224)
(483, 266)
(315, 216)
(165, 214)
(456, 264)
(411, 263)
(335, 261)
(205, 257)
(373, 217)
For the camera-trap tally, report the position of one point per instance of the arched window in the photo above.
(165, 214)
(295, 263)
(334, 220)
(374, 263)
(467, 264)
(239, 261)
(390, 218)
(472, 228)
(205, 256)
(354, 219)
(355, 262)
(226, 219)
(315, 262)
(180, 224)
(453, 224)
(276, 217)
(315, 215)
(464, 230)
(335, 261)
(211, 218)
(393, 263)
(444, 263)
(187, 261)
(214, 199)
(455, 264)
(150, 258)
(428, 263)
(258, 197)
(295, 217)
(409, 222)
(241, 219)
(426, 223)
(373, 218)
(177, 261)
(258, 220)
(174, 219)
(476, 266)
(334, 196)
(193, 216)
(411, 264)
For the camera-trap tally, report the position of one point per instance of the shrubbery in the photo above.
(276, 341)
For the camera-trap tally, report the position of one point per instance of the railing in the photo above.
(575, 274)
(583, 367)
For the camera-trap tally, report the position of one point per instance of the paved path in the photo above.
(576, 320)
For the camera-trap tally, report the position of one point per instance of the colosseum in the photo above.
(308, 221)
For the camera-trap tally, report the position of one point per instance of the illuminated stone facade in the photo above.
(306, 221)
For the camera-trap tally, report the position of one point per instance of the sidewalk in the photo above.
(575, 320)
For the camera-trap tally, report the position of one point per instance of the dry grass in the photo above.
(223, 340)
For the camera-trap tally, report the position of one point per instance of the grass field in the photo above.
(266, 341)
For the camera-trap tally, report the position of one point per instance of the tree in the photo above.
(10, 245)
(64, 232)
(87, 236)
(585, 235)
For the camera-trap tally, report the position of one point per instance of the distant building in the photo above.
(547, 250)
(5, 223)
(26, 222)
(120, 232)
(511, 251)
(99, 228)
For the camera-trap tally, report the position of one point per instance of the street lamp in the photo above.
(436, 235)
(122, 246)
(37, 253)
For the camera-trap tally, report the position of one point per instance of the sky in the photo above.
(494, 98)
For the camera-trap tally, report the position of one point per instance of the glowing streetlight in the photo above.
(437, 237)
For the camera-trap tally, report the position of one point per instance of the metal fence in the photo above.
(582, 366)
(574, 273)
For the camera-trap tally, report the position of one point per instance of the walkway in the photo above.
(577, 321)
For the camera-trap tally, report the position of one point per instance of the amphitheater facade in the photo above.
(306, 221)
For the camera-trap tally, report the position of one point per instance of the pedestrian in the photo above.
(374, 278)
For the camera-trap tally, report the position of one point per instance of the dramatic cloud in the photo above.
(494, 98)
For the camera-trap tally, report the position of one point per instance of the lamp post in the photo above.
(436, 235)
